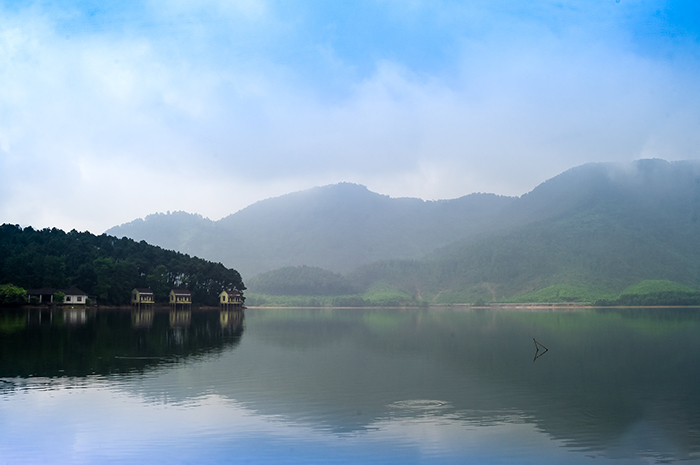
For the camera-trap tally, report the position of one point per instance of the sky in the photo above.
(110, 111)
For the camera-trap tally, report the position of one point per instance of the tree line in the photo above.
(106, 267)
(670, 298)
(301, 280)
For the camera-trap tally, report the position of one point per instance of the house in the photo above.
(180, 296)
(232, 297)
(73, 296)
(40, 296)
(142, 295)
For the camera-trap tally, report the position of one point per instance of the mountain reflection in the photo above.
(608, 376)
(80, 342)
(614, 383)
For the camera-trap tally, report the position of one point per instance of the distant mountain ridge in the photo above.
(337, 227)
(602, 226)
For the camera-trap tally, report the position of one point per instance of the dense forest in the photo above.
(301, 280)
(106, 267)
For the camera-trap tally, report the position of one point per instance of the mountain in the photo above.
(599, 227)
(184, 232)
(337, 227)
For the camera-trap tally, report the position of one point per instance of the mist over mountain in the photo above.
(337, 227)
(598, 226)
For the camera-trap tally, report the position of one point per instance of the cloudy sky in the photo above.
(110, 113)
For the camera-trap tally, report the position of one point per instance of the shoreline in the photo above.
(458, 306)
(517, 306)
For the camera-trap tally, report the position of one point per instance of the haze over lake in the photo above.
(351, 386)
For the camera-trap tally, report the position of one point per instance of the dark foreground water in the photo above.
(350, 386)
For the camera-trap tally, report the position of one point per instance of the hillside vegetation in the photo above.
(301, 280)
(106, 267)
(609, 229)
(585, 235)
(338, 228)
(656, 292)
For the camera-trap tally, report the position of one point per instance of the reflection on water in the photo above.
(230, 318)
(142, 318)
(180, 318)
(353, 386)
(74, 316)
(42, 342)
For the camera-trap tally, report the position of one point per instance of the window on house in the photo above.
(67, 298)
(80, 299)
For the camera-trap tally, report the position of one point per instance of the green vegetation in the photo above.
(12, 295)
(592, 236)
(337, 228)
(561, 293)
(382, 294)
(378, 296)
(585, 235)
(301, 281)
(302, 291)
(657, 286)
(59, 297)
(646, 293)
(655, 292)
(106, 267)
(262, 300)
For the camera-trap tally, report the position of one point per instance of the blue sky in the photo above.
(112, 112)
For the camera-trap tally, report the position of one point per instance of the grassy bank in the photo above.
(645, 293)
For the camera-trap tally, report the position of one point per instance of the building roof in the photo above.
(42, 291)
(181, 292)
(143, 290)
(73, 291)
(50, 290)
(232, 292)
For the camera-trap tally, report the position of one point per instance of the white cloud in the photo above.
(166, 427)
(98, 126)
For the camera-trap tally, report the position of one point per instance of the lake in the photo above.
(365, 386)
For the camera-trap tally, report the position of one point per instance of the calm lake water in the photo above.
(363, 386)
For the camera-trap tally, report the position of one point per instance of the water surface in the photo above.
(350, 386)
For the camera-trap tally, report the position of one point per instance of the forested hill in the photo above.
(599, 227)
(105, 266)
(337, 227)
